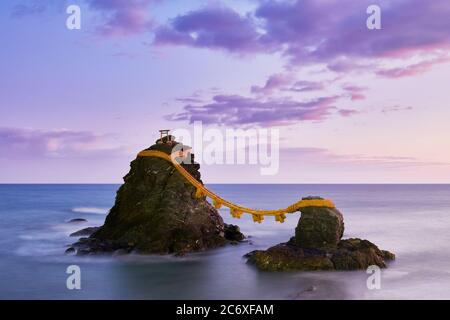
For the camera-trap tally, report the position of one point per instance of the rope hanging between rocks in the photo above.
(236, 210)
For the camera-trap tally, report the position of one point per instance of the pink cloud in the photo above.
(355, 92)
(327, 157)
(303, 86)
(275, 82)
(412, 69)
(239, 110)
(311, 31)
(28, 143)
(347, 112)
(214, 26)
(395, 109)
(123, 17)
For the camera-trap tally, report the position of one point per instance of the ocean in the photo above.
(413, 221)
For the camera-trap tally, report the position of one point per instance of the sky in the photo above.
(352, 104)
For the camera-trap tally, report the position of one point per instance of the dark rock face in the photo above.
(156, 212)
(90, 246)
(233, 232)
(317, 245)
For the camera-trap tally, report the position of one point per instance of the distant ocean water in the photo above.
(413, 221)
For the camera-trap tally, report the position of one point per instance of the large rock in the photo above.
(319, 228)
(156, 212)
(317, 245)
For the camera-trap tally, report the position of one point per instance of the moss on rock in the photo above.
(319, 228)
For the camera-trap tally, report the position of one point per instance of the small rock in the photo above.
(120, 252)
(83, 252)
(311, 289)
(77, 220)
(180, 254)
(233, 232)
(388, 255)
(312, 198)
(70, 250)
(84, 232)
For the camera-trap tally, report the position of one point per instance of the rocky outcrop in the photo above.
(319, 228)
(84, 232)
(77, 220)
(156, 211)
(317, 245)
(91, 245)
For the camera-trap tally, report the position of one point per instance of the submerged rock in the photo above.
(84, 232)
(156, 211)
(317, 245)
(289, 257)
(233, 233)
(77, 220)
(89, 246)
(70, 250)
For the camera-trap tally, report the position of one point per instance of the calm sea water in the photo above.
(412, 221)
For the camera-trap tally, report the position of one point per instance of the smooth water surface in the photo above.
(413, 221)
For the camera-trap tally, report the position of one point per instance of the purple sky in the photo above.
(351, 104)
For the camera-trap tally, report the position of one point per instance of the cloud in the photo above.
(347, 112)
(239, 110)
(118, 17)
(322, 31)
(215, 27)
(303, 86)
(395, 109)
(286, 82)
(322, 156)
(123, 18)
(189, 100)
(18, 142)
(317, 31)
(274, 82)
(266, 107)
(412, 69)
(355, 92)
